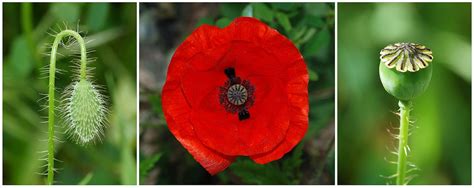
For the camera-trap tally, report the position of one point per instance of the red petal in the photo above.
(250, 29)
(197, 85)
(177, 111)
(203, 38)
(250, 59)
(299, 108)
(268, 39)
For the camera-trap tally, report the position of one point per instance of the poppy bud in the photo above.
(84, 112)
(404, 69)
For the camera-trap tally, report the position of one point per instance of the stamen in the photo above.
(244, 114)
(230, 72)
(236, 96)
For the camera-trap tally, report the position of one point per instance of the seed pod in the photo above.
(405, 69)
(85, 112)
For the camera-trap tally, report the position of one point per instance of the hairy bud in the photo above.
(84, 112)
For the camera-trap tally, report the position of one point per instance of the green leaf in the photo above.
(224, 177)
(297, 33)
(97, 16)
(320, 40)
(313, 76)
(68, 12)
(313, 21)
(155, 102)
(263, 12)
(223, 22)
(147, 164)
(310, 33)
(231, 10)
(248, 11)
(86, 179)
(317, 9)
(292, 164)
(205, 20)
(285, 6)
(284, 21)
(252, 173)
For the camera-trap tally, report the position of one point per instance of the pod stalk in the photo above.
(405, 108)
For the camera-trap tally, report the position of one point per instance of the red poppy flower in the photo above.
(237, 91)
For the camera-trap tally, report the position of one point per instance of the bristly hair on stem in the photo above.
(83, 107)
(404, 169)
(403, 148)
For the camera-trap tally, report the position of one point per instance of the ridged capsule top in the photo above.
(406, 56)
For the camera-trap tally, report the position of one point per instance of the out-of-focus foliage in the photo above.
(441, 143)
(112, 29)
(310, 26)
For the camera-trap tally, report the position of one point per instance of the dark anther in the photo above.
(243, 115)
(230, 72)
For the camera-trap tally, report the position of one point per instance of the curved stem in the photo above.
(52, 71)
(405, 107)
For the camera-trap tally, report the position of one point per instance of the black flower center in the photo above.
(237, 95)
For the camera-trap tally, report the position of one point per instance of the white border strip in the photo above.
(137, 80)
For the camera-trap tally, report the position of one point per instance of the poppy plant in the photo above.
(237, 91)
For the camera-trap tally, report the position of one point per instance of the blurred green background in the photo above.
(112, 31)
(311, 28)
(441, 145)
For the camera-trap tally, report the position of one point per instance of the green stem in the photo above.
(405, 107)
(52, 71)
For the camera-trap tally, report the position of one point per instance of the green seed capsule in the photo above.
(404, 69)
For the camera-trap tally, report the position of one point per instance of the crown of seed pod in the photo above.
(405, 69)
(406, 56)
